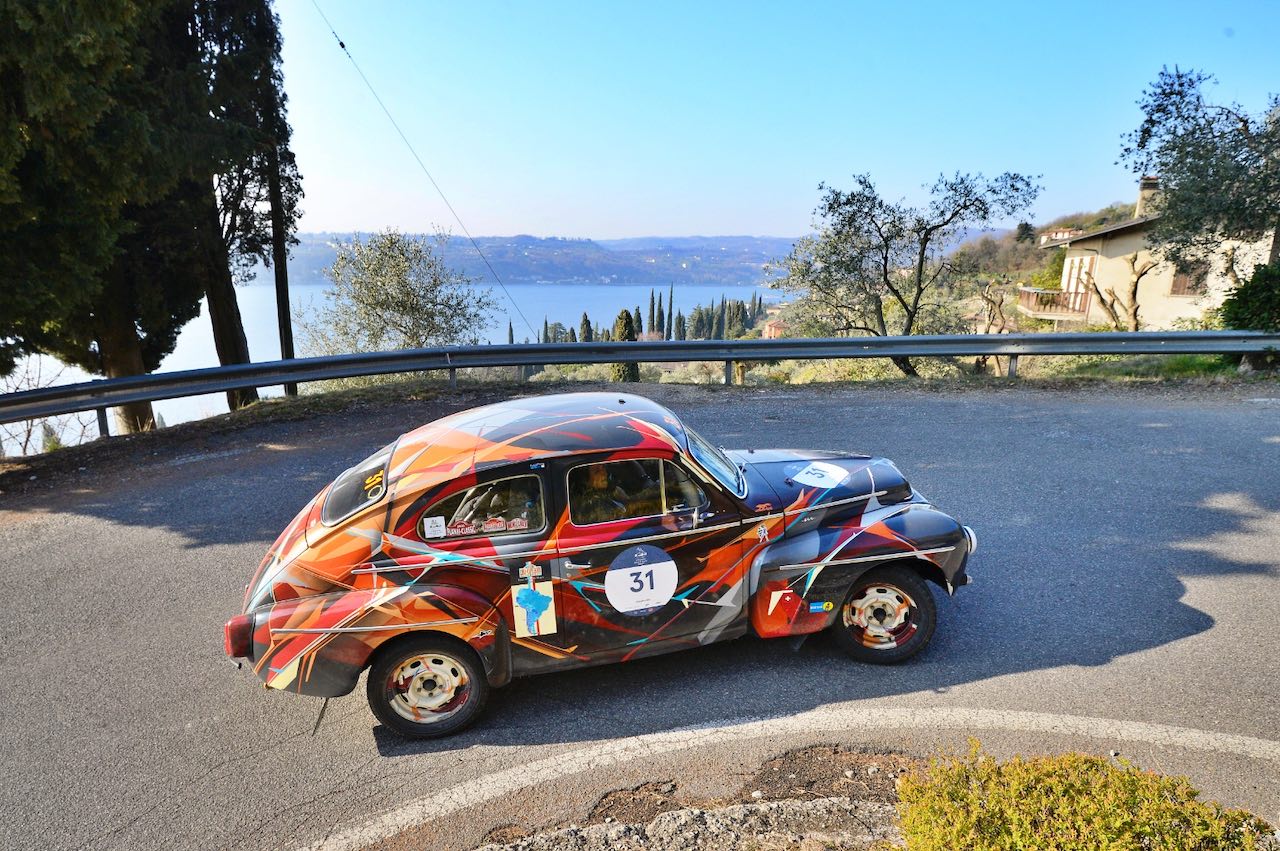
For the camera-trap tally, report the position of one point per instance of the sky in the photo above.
(613, 119)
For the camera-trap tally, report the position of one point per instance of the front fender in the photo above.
(318, 645)
(800, 582)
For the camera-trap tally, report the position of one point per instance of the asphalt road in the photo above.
(1129, 572)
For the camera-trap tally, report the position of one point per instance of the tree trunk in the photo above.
(280, 259)
(224, 312)
(906, 366)
(1132, 307)
(1274, 257)
(122, 356)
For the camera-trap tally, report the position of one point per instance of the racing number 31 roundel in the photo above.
(641, 580)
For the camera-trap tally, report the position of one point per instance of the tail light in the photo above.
(238, 636)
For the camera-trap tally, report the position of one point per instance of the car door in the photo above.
(501, 526)
(650, 557)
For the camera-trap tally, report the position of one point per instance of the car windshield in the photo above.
(715, 462)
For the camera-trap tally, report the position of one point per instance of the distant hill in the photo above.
(720, 260)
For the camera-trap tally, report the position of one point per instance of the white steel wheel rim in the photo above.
(881, 616)
(427, 688)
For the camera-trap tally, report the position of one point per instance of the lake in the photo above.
(562, 303)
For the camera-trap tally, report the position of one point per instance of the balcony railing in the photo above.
(1053, 303)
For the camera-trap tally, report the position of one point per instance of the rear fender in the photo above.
(318, 645)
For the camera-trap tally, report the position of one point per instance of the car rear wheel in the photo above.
(887, 617)
(427, 686)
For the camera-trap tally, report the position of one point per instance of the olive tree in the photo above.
(1219, 169)
(394, 291)
(874, 264)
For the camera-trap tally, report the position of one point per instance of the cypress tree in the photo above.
(652, 316)
(680, 326)
(636, 324)
(584, 329)
(624, 329)
(671, 312)
(511, 333)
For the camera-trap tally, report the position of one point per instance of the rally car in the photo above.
(562, 531)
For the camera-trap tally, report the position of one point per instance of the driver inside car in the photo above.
(595, 497)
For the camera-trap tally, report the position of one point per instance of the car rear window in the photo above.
(360, 486)
(503, 507)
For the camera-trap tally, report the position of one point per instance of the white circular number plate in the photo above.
(819, 474)
(641, 580)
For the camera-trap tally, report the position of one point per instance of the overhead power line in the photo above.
(423, 166)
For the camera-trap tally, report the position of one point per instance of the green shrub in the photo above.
(1255, 304)
(1071, 802)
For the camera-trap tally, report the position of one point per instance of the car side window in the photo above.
(504, 507)
(625, 490)
(681, 492)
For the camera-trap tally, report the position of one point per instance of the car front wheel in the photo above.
(427, 686)
(887, 617)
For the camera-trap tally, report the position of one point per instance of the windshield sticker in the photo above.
(534, 607)
(494, 524)
(517, 523)
(641, 580)
(374, 487)
(433, 527)
(819, 474)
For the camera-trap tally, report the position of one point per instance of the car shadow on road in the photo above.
(1083, 604)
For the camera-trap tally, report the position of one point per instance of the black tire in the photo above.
(899, 610)
(427, 686)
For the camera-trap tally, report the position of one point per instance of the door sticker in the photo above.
(819, 474)
(641, 580)
(534, 607)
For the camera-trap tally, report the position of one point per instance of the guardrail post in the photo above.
(453, 378)
(104, 429)
(1013, 366)
(728, 372)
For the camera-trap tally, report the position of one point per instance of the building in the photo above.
(774, 329)
(1113, 256)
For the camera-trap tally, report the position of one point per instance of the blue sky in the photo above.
(611, 119)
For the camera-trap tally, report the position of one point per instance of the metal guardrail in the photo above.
(102, 394)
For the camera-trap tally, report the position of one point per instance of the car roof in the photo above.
(528, 429)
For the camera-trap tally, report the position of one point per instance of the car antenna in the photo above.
(320, 717)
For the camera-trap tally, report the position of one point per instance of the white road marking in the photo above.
(851, 717)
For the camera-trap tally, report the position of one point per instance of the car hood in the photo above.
(803, 479)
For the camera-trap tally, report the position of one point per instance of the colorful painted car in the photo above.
(562, 531)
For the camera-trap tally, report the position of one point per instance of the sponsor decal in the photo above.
(764, 506)
(459, 528)
(531, 569)
(534, 608)
(516, 523)
(433, 527)
(494, 524)
(820, 474)
(762, 532)
(821, 606)
(786, 600)
(641, 580)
